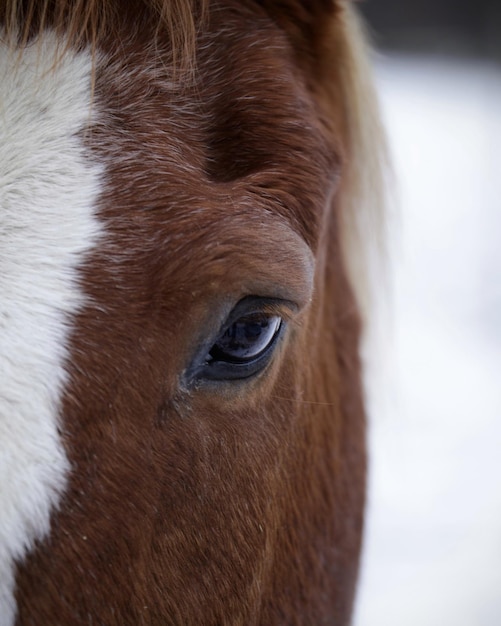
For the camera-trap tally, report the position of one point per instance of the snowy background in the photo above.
(433, 540)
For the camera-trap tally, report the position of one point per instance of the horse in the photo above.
(189, 192)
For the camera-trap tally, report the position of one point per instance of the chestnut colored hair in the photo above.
(204, 505)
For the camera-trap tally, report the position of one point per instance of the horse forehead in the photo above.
(246, 124)
(48, 188)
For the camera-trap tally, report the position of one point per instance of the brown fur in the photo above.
(87, 21)
(213, 504)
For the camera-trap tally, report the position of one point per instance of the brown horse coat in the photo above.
(220, 156)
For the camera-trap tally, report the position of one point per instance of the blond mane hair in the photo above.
(363, 215)
(367, 203)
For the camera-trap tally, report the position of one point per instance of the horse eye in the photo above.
(244, 347)
(246, 339)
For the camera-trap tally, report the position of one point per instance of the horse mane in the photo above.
(363, 195)
(80, 21)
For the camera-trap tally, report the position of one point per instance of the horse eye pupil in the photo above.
(246, 338)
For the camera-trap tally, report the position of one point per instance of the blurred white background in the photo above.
(433, 539)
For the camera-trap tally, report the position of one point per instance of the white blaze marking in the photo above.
(47, 192)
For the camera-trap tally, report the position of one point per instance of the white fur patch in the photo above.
(48, 190)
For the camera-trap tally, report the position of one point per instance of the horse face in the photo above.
(185, 390)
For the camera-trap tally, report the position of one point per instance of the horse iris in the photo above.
(246, 339)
